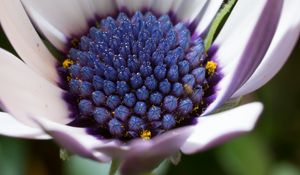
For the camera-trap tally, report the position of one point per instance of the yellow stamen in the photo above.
(69, 78)
(188, 89)
(145, 135)
(211, 67)
(196, 108)
(67, 63)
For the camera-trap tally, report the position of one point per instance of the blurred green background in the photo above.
(273, 148)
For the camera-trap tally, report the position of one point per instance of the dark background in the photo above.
(273, 148)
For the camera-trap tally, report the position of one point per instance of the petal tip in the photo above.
(218, 128)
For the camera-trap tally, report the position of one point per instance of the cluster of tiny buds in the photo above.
(139, 76)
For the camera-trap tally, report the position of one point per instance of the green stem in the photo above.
(216, 23)
(114, 166)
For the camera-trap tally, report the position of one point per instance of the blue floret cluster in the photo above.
(136, 75)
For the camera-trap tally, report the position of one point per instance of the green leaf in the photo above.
(13, 155)
(114, 167)
(79, 166)
(162, 169)
(244, 156)
(285, 168)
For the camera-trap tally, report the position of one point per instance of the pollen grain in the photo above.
(67, 63)
(211, 67)
(145, 135)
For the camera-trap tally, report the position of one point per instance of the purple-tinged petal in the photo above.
(144, 155)
(206, 16)
(217, 128)
(134, 5)
(241, 47)
(12, 128)
(75, 140)
(283, 42)
(23, 92)
(26, 40)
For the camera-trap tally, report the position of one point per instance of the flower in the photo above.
(247, 53)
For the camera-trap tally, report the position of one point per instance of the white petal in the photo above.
(217, 128)
(237, 29)
(12, 128)
(24, 94)
(104, 7)
(207, 15)
(284, 40)
(53, 31)
(162, 7)
(241, 45)
(75, 140)
(134, 5)
(56, 37)
(176, 5)
(64, 15)
(189, 9)
(87, 7)
(25, 39)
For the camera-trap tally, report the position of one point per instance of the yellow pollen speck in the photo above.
(188, 89)
(211, 67)
(67, 63)
(196, 108)
(145, 135)
(69, 78)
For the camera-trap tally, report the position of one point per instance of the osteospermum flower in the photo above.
(138, 81)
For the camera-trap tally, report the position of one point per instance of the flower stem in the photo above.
(217, 22)
(114, 166)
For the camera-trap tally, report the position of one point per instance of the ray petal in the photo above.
(75, 140)
(206, 16)
(284, 40)
(242, 44)
(13, 128)
(24, 93)
(145, 155)
(26, 40)
(67, 17)
(134, 5)
(188, 10)
(217, 128)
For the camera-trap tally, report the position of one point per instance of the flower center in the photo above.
(137, 77)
